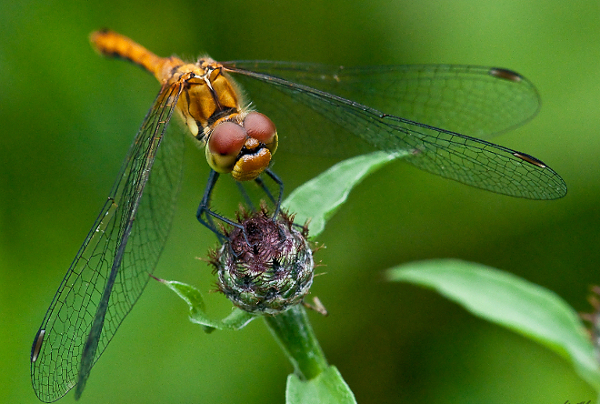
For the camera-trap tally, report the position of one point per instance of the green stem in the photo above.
(296, 337)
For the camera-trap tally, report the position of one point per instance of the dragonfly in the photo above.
(304, 108)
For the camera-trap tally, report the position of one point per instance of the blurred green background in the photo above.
(68, 117)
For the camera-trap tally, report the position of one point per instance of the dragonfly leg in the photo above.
(245, 195)
(261, 184)
(205, 215)
(279, 183)
(277, 203)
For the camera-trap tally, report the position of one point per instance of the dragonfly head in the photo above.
(245, 149)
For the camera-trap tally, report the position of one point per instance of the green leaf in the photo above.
(319, 198)
(512, 302)
(328, 387)
(193, 298)
(238, 319)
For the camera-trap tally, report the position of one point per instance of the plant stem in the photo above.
(296, 337)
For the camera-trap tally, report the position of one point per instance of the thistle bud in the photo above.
(265, 265)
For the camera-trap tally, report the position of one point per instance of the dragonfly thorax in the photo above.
(207, 97)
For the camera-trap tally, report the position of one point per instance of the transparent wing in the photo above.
(313, 118)
(471, 100)
(113, 265)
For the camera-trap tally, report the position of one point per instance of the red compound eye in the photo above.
(227, 139)
(224, 146)
(260, 127)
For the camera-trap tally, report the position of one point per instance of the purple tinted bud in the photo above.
(266, 267)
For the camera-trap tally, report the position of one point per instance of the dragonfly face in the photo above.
(399, 108)
(243, 149)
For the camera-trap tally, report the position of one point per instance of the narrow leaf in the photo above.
(238, 319)
(319, 198)
(512, 302)
(193, 298)
(328, 387)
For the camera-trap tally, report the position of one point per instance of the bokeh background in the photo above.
(67, 119)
